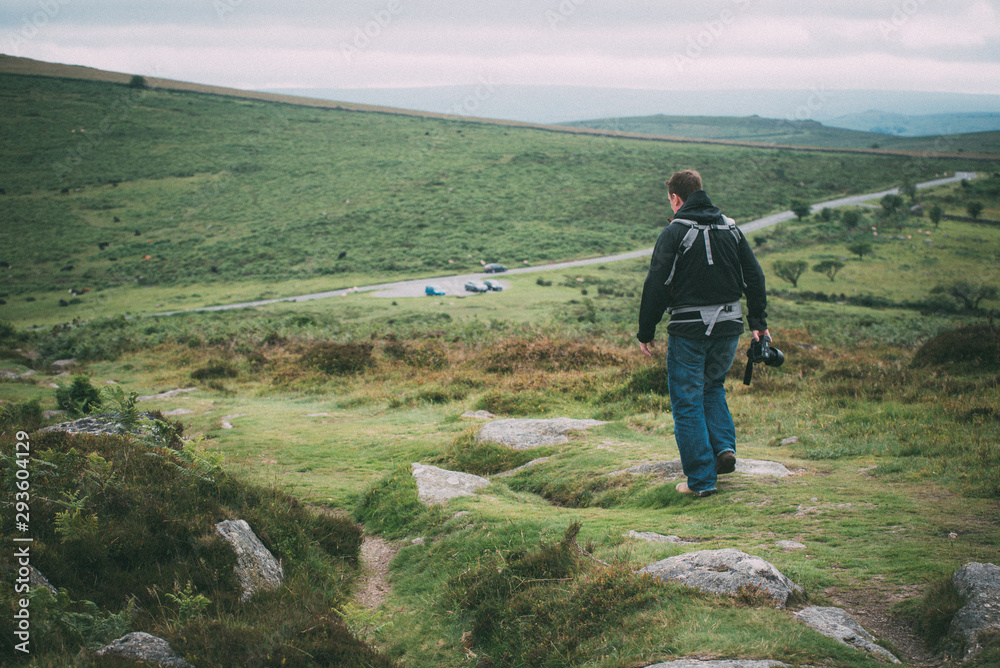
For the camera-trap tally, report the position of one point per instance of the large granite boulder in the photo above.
(725, 572)
(523, 433)
(979, 618)
(436, 485)
(838, 624)
(256, 567)
(149, 649)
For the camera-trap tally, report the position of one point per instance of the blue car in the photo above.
(433, 291)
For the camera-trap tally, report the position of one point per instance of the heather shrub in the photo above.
(339, 358)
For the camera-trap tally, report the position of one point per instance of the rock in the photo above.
(140, 646)
(256, 567)
(48, 415)
(165, 395)
(178, 411)
(522, 434)
(62, 365)
(478, 415)
(790, 545)
(669, 469)
(436, 485)
(651, 537)
(673, 469)
(724, 572)
(725, 663)
(979, 619)
(10, 375)
(97, 425)
(839, 625)
(317, 414)
(36, 579)
(533, 462)
(791, 440)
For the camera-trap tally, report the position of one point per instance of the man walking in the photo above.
(701, 266)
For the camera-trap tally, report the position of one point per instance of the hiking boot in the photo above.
(726, 463)
(682, 487)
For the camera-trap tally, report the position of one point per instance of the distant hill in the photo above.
(561, 104)
(749, 128)
(793, 133)
(905, 125)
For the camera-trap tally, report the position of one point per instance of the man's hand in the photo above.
(757, 333)
(647, 348)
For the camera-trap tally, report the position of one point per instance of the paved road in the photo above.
(453, 285)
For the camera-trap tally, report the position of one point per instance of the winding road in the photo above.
(454, 285)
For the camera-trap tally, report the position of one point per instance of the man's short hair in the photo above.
(684, 183)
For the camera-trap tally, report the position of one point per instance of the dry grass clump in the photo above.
(973, 347)
(545, 354)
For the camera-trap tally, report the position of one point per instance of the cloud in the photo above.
(898, 44)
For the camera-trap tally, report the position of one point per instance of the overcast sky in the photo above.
(922, 45)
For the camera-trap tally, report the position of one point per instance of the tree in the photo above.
(138, 81)
(801, 209)
(860, 248)
(891, 204)
(829, 267)
(936, 213)
(910, 190)
(851, 218)
(968, 295)
(974, 208)
(790, 270)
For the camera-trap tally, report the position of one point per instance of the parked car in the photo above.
(433, 291)
(494, 268)
(473, 286)
(492, 286)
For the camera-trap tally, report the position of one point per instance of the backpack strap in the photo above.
(692, 234)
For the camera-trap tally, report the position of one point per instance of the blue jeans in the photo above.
(703, 426)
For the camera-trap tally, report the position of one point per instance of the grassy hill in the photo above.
(210, 198)
(794, 133)
(885, 410)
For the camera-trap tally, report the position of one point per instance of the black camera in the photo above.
(761, 351)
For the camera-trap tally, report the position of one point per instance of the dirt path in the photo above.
(872, 609)
(376, 553)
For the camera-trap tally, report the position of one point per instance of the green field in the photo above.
(313, 410)
(234, 199)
